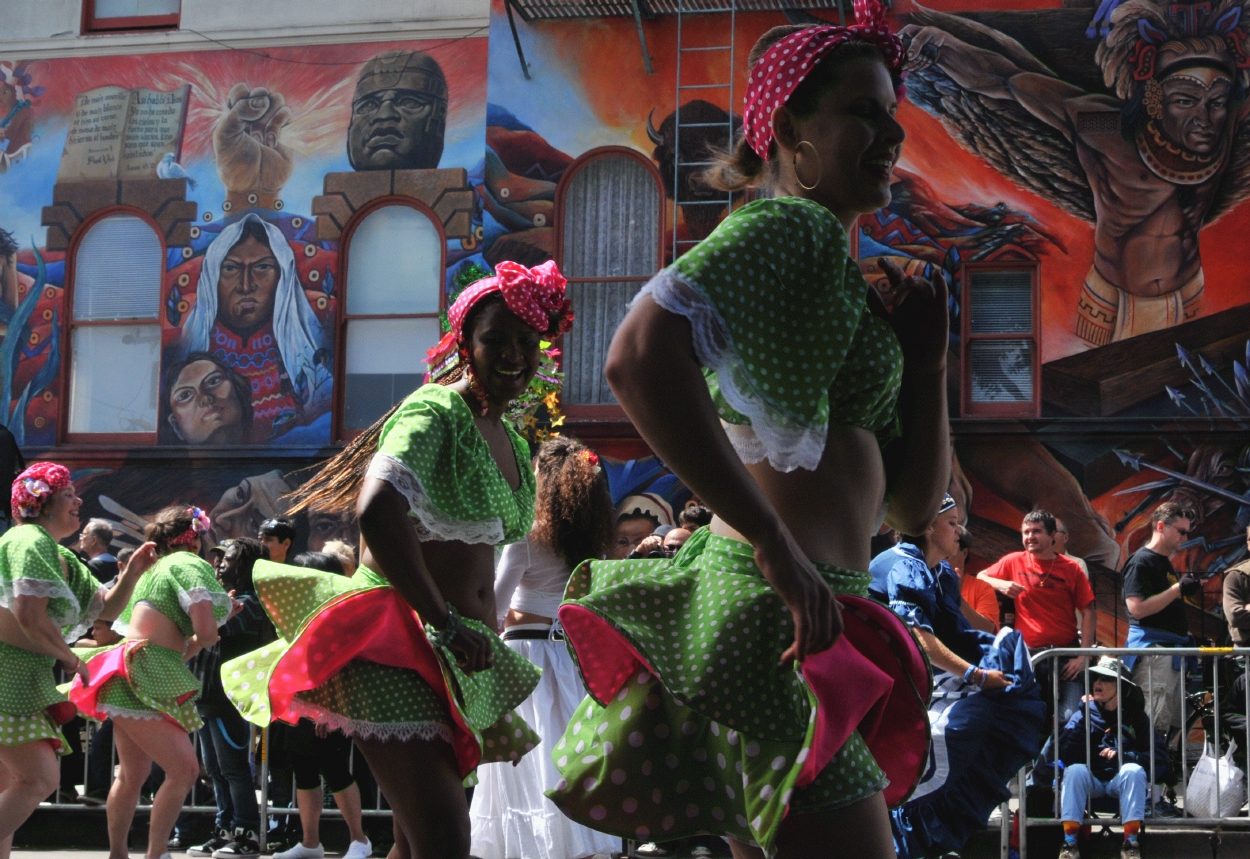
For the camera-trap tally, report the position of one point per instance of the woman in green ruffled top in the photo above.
(142, 683)
(402, 657)
(48, 599)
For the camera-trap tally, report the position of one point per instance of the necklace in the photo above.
(1044, 577)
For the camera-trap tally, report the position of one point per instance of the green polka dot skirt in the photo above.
(660, 760)
(26, 691)
(150, 682)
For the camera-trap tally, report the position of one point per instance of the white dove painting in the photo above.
(168, 168)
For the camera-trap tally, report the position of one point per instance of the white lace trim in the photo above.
(772, 435)
(93, 611)
(186, 599)
(430, 522)
(44, 589)
(366, 730)
(121, 628)
(126, 713)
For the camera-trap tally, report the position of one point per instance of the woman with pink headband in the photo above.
(48, 600)
(730, 692)
(142, 683)
(402, 656)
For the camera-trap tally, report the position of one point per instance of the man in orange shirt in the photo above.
(979, 598)
(1048, 590)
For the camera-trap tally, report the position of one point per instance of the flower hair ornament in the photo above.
(34, 486)
(591, 458)
(200, 523)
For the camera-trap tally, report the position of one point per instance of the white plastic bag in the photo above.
(1200, 797)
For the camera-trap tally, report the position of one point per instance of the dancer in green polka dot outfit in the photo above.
(48, 600)
(142, 683)
(403, 656)
(730, 691)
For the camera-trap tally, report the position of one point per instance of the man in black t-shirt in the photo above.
(1153, 596)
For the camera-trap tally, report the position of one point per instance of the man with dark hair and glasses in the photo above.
(1153, 595)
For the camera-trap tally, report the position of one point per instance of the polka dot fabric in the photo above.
(174, 583)
(316, 614)
(146, 682)
(26, 691)
(535, 295)
(451, 481)
(805, 349)
(778, 73)
(715, 741)
(32, 563)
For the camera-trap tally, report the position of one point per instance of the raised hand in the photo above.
(918, 313)
(247, 141)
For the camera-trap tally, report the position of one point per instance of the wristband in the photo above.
(968, 674)
(981, 680)
(443, 637)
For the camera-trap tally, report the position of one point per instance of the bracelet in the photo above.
(968, 674)
(443, 637)
(981, 680)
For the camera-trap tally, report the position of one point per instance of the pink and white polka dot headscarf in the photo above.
(536, 295)
(785, 65)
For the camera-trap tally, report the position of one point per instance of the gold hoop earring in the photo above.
(819, 166)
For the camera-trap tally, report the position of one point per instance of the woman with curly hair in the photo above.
(48, 599)
(142, 682)
(511, 816)
(403, 657)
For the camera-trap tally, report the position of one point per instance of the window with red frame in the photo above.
(610, 245)
(115, 334)
(394, 293)
(1001, 349)
(104, 16)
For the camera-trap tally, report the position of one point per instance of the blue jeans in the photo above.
(225, 744)
(1128, 786)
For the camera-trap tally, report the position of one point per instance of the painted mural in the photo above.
(1104, 143)
(251, 164)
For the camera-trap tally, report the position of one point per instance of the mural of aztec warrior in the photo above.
(1149, 163)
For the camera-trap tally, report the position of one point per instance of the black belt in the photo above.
(533, 635)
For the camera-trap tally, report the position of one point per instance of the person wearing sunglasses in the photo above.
(1153, 595)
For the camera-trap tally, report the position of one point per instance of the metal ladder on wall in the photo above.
(688, 91)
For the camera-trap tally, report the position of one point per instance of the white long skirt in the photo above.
(511, 817)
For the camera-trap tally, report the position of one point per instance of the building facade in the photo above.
(265, 206)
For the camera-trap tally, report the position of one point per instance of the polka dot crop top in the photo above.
(174, 584)
(782, 327)
(33, 564)
(432, 452)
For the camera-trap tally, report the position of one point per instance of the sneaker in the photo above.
(177, 842)
(242, 846)
(1070, 851)
(701, 852)
(359, 850)
(1130, 850)
(299, 851)
(219, 840)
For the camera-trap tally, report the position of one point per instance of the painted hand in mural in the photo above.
(251, 158)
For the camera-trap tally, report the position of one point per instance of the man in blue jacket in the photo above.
(1117, 732)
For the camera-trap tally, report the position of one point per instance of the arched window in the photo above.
(610, 234)
(115, 336)
(394, 259)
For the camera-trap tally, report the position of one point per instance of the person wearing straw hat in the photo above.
(1117, 733)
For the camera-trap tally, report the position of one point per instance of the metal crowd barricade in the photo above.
(201, 801)
(1058, 655)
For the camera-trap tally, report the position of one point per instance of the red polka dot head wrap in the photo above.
(778, 73)
(35, 486)
(535, 295)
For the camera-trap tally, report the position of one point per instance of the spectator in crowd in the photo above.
(1117, 734)
(1237, 600)
(980, 740)
(225, 739)
(1048, 590)
(344, 552)
(1061, 546)
(1156, 611)
(277, 535)
(315, 752)
(94, 543)
(631, 529)
(696, 516)
(674, 540)
(977, 595)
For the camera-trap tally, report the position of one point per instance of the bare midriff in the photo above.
(464, 574)
(832, 511)
(11, 632)
(148, 623)
(516, 618)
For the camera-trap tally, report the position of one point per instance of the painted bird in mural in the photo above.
(1159, 153)
(168, 168)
